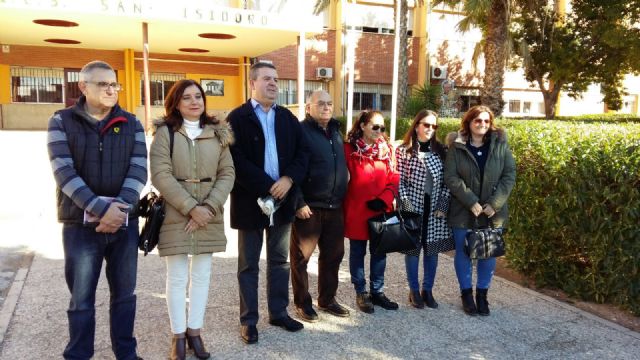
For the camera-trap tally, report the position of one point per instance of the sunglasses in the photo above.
(480, 121)
(426, 126)
(378, 127)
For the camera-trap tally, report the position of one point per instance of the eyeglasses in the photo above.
(322, 104)
(105, 85)
(426, 126)
(378, 127)
(479, 121)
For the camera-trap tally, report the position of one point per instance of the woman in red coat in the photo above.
(372, 184)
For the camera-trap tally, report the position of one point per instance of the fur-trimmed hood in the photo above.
(222, 130)
(456, 137)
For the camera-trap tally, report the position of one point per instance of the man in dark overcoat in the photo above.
(270, 158)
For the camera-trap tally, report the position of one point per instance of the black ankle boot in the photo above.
(415, 300)
(481, 301)
(468, 305)
(195, 343)
(178, 350)
(429, 300)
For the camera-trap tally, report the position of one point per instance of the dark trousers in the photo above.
(84, 251)
(325, 229)
(249, 248)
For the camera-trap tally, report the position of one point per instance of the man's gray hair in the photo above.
(85, 73)
(253, 70)
(316, 92)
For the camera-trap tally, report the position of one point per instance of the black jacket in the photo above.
(326, 181)
(248, 157)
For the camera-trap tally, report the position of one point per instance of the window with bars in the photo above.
(371, 97)
(159, 85)
(288, 94)
(37, 85)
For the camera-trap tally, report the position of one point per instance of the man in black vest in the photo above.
(319, 218)
(270, 158)
(99, 160)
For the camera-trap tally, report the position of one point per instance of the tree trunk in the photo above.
(495, 56)
(550, 100)
(403, 66)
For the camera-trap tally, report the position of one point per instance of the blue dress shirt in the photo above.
(268, 123)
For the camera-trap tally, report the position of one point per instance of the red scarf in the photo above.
(377, 151)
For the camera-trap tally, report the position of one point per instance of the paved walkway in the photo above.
(523, 323)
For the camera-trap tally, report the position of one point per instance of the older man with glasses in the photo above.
(99, 160)
(319, 217)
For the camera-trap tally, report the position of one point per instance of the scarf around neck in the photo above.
(377, 151)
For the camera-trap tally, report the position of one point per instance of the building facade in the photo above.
(43, 44)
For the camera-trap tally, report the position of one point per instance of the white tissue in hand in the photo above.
(267, 205)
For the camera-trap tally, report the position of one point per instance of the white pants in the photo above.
(177, 279)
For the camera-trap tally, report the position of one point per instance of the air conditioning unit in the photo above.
(439, 72)
(324, 73)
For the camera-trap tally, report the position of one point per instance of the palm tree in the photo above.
(493, 18)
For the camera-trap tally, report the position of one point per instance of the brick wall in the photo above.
(60, 57)
(374, 58)
(64, 57)
(214, 65)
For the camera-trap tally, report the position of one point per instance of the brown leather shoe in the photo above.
(178, 350)
(195, 344)
(335, 309)
(249, 334)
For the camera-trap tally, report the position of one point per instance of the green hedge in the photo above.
(575, 209)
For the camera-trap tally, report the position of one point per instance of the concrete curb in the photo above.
(11, 301)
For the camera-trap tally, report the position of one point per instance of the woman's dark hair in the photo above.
(364, 118)
(472, 114)
(172, 115)
(410, 139)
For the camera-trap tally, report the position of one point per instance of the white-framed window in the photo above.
(37, 85)
(159, 85)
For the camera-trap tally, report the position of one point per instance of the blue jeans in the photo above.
(377, 264)
(464, 268)
(84, 251)
(430, 263)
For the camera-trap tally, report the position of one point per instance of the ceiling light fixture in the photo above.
(217, 36)
(55, 22)
(62, 41)
(193, 50)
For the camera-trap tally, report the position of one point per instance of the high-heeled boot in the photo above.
(195, 343)
(178, 349)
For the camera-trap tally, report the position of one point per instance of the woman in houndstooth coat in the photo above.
(420, 160)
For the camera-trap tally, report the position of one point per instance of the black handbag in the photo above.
(394, 231)
(151, 208)
(484, 243)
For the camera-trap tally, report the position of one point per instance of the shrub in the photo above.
(575, 208)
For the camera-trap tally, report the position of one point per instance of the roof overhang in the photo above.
(116, 25)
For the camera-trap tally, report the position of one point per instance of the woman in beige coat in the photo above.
(194, 172)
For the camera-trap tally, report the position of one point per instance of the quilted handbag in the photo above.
(484, 243)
